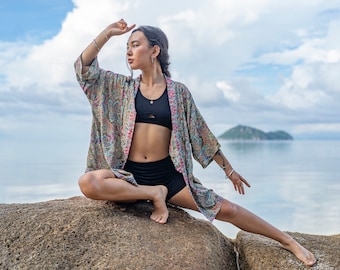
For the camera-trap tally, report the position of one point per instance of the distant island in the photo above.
(252, 134)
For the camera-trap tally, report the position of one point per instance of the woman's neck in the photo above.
(151, 79)
(152, 76)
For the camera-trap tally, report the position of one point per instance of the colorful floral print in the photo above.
(112, 95)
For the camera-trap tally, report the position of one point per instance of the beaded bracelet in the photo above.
(95, 44)
(230, 174)
(223, 166)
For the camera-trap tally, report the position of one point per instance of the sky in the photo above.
(269, 64)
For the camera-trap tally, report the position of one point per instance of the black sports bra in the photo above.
(153, 111)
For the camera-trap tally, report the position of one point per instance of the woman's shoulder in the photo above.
(120, 80)
(178, 86)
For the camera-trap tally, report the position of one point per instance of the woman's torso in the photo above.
(150, 142)
(151, 138)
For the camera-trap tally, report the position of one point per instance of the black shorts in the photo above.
(161, 172)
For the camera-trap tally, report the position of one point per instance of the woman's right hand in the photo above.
(114, 29)
(118, 28)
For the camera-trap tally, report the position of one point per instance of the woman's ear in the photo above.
(156, 51)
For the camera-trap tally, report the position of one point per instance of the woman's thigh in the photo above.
(100, 174)
(102, 185)
(184, 199)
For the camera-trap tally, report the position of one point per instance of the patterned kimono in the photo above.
(112, 98)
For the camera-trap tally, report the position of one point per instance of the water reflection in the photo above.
(250, 147)
(289, 187)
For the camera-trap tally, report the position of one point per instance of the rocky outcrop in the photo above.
(78, 233)
(258, 253)
(253, 134)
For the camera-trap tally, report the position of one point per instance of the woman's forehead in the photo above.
(137, 36)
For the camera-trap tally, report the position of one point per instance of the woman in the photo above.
(144, 133)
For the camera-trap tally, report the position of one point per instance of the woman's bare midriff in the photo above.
(150, 142)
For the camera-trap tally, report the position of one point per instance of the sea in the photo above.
(295, 185)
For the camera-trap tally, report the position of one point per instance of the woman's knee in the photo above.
(228, 211)
(88, 184)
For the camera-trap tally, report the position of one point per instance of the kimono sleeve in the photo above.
(88, 81)
(97, 80)
(203, 141)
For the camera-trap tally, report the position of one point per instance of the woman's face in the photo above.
(138, 51)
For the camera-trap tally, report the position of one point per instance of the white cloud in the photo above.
(313, 82)
(228, 91)
(298, 91)
(210, 44)
(311, 85)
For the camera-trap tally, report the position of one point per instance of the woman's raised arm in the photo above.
(92, 50)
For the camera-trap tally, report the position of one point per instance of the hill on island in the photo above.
(249, 133)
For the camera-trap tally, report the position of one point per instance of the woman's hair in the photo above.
(156, 36)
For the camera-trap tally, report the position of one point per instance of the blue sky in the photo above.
(22, 19)
(264, 63)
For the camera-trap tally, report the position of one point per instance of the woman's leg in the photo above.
(103, 185)
(247, 221)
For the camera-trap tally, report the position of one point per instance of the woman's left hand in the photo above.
(238, 182)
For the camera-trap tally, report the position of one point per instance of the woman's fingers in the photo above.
(238, 183)
(120, 27)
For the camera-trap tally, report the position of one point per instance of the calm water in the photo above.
(295, 185)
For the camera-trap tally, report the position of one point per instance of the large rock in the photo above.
(78, 233)
(257, 252)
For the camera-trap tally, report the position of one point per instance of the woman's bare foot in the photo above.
(160, 213)
(299, 251)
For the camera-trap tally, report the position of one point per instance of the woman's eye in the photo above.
(132, 46)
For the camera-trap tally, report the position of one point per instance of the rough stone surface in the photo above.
(258, 253)
(78, 233)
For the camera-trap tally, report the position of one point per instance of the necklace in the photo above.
(151, 100)
(153, 92)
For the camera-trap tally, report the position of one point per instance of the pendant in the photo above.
(151, 102)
